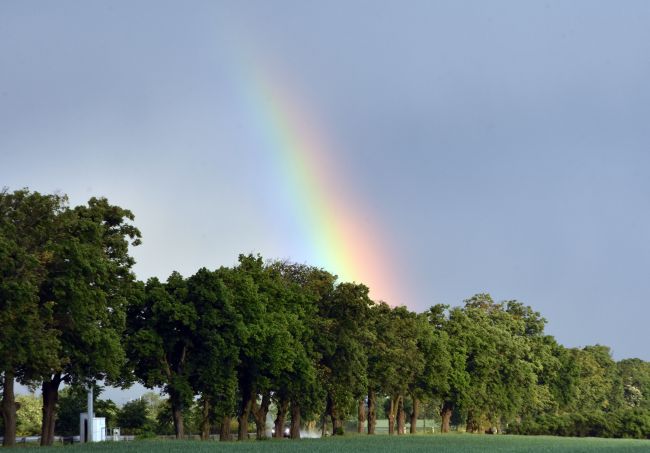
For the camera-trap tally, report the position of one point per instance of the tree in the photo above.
(554, 377)
(160, 330)
(28, 421)
(635, 377)
(107, 409)
(395, 361)
(599, 385)
(493, 369)
(297, 387)
(88, 282)
(269, 348)
(340, 343)
(497, 363)
(431, 383)
(217, 336)
(255, 339)
(28, 341)
(134, 417)
(456, 325)
(375, 350)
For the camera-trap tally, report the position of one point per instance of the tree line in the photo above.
(237, 341)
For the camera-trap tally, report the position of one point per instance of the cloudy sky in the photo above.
(429, 149)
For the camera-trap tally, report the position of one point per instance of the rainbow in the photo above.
(340, 235)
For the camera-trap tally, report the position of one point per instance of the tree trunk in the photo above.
(9, 408)
(179, 428)
(50, 391)
(224, 432)
(337, 423)
(445, 413)
(401, 416)
(294, 431)
(473, 423)
(372, 411)
(361, 416)
(392, 412)
(414, 415)
(205, 419)
(280, 419)
(244, 412)
(177, 413)
(259, 413)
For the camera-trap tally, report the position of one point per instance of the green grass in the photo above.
(354, 443)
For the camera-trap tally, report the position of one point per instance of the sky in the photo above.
(428, 149)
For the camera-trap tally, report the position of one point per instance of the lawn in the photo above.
(420, 443)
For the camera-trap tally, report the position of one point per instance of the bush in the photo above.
(628, 423)
(133, 418)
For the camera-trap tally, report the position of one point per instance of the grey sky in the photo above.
(503, 146)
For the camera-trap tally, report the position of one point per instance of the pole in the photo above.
(91, 414)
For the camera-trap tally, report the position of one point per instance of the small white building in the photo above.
(98, 426)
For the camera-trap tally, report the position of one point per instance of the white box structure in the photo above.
(98, 426)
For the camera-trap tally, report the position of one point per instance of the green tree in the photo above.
(554, 379)
(457, 326)
(297, 387)
(432, 383)
(28, 222)
(160, 329)
(269, 348)
(29, 415)
(599, 385)
(217, 336)
(88, 283)
(493, 365)
(375, 350)
(135, 417)
(395, 361)
(497, 363)
(155, 403)
(72, 401)
(340, 343)
(255, 344)
(635, 377)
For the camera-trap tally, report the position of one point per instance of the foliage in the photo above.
(236, 341)
(134, 418)
(28, 225)
(303, 287)
(29, 415)
(600, 385)
(217, 336)
(89, 281)
(161, 323)
(28, 342)
(340, 343)
(635, 377)
(625, 423)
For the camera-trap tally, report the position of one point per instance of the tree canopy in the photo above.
(233, 345)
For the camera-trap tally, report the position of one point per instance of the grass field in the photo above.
(435, 443)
